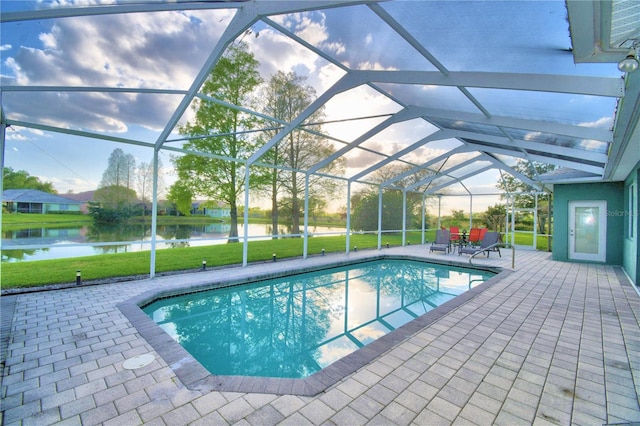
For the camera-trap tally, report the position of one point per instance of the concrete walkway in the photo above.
(551, 343)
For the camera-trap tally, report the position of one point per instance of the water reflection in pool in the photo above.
(297, 325)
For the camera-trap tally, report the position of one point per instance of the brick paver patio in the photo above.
(551, 343)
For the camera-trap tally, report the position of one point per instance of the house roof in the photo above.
(461, 88)
(35, 196)
(82, 197)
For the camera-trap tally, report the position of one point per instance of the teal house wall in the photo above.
(57, 207)
(631, 242)
(613, 193)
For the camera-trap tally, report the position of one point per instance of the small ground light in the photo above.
(323, 252)
(274, 257)
(355, 248)
(78, 277)
(387, 245)
(204, 264)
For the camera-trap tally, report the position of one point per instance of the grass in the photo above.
(526, 239)
(56, 271)
(16, 221)
(109, 266)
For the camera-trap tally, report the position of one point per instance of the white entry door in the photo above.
(588, 230)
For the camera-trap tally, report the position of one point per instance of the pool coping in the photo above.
(195, 377)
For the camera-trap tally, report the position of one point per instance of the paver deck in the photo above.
(551, 343)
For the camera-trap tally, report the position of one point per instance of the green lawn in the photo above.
(15, 221)
(44, 272)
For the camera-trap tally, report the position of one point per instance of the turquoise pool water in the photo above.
(294, 326)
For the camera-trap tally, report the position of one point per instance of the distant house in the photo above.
(206, 208)
(83, 198)
(34, 201)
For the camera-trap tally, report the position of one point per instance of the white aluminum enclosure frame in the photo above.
(488, 149)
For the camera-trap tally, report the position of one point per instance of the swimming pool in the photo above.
(294, 326)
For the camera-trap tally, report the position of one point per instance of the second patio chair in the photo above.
(486, 245)
(442, 242)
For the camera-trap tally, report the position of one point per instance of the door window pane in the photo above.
(587, 230)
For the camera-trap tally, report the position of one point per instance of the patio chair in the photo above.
(483, 232)
(474, 236)
(490, 238)
(442, 241)
(454, 234)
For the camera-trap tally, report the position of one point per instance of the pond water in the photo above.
(54, 243)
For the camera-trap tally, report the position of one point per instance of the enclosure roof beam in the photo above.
(438, 135)
(69, 12)
(239, 108)
(543, 159)
(417, 169)
(519, 144)
(571, 84)
(304, 43)
(269, 8)
(302, 127)
(242, 20)
(347, 82)
(600, 134)
(400, 116)
(99, 136)
(402, 31)
(503, 167)
(459, 180)
(81, 133)
(98, 89)
(446, 172)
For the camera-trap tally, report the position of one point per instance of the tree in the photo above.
(219, 131)
(120, 172)
(182, 196)
(457, 217)
(286, 96)
(522, 196)
(495, 216)
(21, 179)
(144, 181)
(365, 203)
(365, 210)
(110, 204)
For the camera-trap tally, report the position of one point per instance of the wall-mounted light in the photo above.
(630, 62)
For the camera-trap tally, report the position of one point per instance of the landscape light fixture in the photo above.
(630, 62)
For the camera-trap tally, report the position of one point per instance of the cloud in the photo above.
(162, 50)
(69, 184)
(15, 136)
(22, 134)
(5, 47)
(312, 27)
(593, 145)
(603, 122)
(278, 53)
(368, 39)
(275, 52)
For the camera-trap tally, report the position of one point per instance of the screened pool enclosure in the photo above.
(428, 98)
